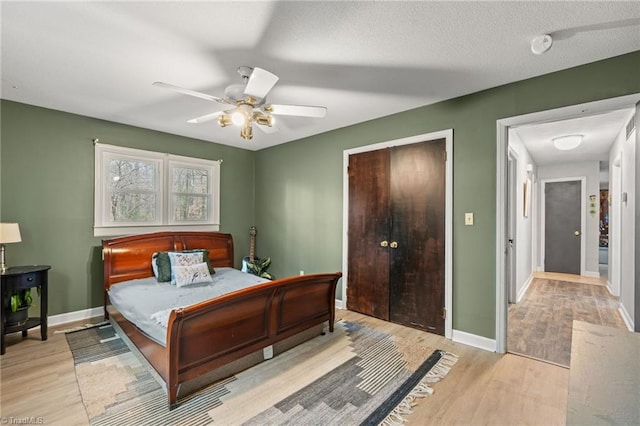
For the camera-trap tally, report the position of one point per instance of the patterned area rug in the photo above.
(355, 375)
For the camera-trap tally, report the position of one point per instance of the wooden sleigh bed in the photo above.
(208, 336)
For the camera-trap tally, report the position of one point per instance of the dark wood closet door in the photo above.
(368, 260)
(416, 278)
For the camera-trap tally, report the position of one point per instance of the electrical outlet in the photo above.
(301, 272)
(267, 352)
(468, 219)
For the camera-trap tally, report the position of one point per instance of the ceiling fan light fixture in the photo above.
(247, 102)
(242, 115)
(225, 120)
(247, 132)
(264, 119)
(238, 118)
(568, 142)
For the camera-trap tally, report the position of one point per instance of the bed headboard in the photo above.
(128, 258)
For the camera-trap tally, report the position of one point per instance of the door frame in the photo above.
(583, 210)
(615, 218)
(502, 142)
(447, 135)
(512, 226)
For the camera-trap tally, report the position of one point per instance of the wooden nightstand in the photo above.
(19, 278)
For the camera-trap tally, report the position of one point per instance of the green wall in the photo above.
(46, 183)
(299, 184)
(47, 178)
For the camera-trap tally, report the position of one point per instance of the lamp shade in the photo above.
(9, 233)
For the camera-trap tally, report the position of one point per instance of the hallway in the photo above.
(540, 326)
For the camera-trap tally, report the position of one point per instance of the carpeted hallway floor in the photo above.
(540, 325)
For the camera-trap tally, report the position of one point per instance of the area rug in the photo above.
(355, 375)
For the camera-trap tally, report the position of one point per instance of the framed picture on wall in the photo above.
(526, 191)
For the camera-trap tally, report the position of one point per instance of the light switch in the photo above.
(468, 219)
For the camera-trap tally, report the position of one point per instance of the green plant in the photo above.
(20, 299)
(259, 267)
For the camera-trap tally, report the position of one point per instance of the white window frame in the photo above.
(104, 227)
(186, 162)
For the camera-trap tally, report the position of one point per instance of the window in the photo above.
(144, 191)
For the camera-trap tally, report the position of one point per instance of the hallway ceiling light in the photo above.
(565, 143)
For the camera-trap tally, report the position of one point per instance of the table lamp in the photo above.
(9, 233)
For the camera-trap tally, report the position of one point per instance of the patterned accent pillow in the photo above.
(205, 256)
(161, 263)
(191, 274)
(179, 258)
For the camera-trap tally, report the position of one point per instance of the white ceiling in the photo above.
(362, 60)
(599, 131)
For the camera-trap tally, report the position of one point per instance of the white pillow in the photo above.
(191, 274)
(183, 259)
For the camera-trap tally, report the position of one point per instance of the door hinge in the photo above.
(444, 313)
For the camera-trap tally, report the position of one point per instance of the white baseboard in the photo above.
(75, 316)
(591, 274)
(610, 288)
(626, 317)
(339, 304)
(474, 340)
(524, 289)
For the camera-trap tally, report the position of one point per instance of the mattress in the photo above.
(147, 303)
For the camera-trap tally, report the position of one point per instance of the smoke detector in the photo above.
(541, 44)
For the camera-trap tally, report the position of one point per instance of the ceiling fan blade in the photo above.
(207, 117)
(266, 129)
(299, 110)
(190, 92)
(260, 83)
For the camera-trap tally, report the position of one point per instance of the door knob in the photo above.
(576, 233)
(394, 244)
(384, 243)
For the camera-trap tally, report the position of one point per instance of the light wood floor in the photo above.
(484, 388)
(582, 279)
(541, 324)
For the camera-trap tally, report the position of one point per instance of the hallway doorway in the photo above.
(535, 227)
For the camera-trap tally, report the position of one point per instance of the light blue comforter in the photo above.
(148, 303)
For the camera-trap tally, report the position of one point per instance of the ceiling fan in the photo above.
(249, 103)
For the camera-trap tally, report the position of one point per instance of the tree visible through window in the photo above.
(139, 191)
(133, 190)
(190, 189)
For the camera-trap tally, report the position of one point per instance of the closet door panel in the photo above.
(416, 276)
(368, 260)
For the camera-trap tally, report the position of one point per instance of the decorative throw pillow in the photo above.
(191, 274)
(205, 256)
(161, 265)
(179, 258)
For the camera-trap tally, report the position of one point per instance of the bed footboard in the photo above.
(217, 332)
(208, 335)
